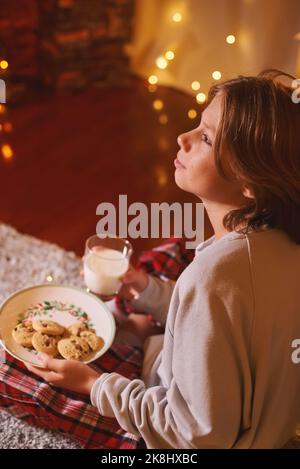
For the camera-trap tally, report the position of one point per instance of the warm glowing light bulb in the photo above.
(2, 109)
(201, 97)
(177, 17)
(161, 62)
(153, 79)
(192, 114)
(49, 278)
(163, 119)
(195, 85)
(3, 64)
(158, 104)
(169, 55)
(230, 39)
(216, 75)
(7, 151)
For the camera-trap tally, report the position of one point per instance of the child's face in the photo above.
(196, 171)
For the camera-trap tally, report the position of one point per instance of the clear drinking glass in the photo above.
(104, 262)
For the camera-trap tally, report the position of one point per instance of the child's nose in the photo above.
(183, 142)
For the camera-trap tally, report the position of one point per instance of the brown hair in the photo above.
(260, 125)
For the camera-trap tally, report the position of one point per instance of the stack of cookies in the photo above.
(76, 342)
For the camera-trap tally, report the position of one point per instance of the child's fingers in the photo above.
(127, 293)
(129, 276)
(49, 376)
(50, 363)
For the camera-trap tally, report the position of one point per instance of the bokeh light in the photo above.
(3, 64)
(7, 127)
(169, 55)
(152, 88)
(161, 62)
(158, 104)
(7, 151)
(201, 97)
(192, 114)
(195, 85)
(177, 17)
(153, 79)
(230, 39)
(216, 75)
(163, 119)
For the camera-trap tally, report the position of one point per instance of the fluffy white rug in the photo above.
(16, 434)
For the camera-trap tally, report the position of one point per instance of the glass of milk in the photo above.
(104, 262)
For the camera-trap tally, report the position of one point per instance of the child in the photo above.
(223, 376)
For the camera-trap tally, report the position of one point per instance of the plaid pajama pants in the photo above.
(38, 403)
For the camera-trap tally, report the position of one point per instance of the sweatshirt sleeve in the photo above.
(201, 406)
(155, 299)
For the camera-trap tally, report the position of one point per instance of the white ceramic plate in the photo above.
(55, 296)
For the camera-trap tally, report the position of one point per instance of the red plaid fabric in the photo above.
(35, 401)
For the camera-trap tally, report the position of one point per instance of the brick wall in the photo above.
(64, 44)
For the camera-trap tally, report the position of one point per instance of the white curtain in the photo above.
(264, 29)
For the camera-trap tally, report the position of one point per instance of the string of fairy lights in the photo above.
(5, 125)
(163, 61)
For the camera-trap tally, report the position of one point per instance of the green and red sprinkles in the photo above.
(46, 308)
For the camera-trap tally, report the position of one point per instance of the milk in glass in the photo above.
(102, 269)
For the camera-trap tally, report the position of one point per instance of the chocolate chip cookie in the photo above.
(73, 348)
(22, 334)
(95, 343)
(77, 328)
(48, 327)
(45, 343)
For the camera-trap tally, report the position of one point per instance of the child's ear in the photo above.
(247, 192)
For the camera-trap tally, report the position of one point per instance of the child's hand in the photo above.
(68, 374)
(134, 282)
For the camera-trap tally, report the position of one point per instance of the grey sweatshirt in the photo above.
(224, 377)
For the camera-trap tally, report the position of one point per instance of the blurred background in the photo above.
(99, 90)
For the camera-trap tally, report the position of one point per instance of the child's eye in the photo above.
(206, 139)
